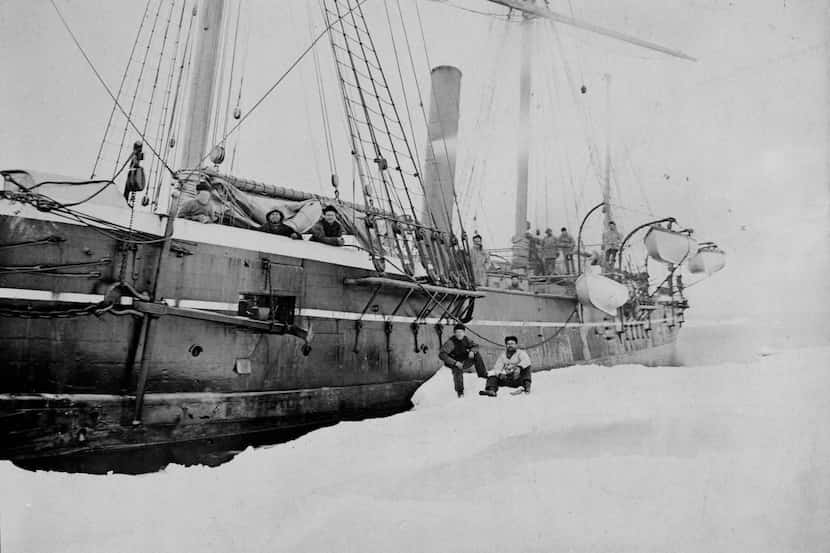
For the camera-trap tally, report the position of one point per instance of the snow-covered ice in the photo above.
(723, 457)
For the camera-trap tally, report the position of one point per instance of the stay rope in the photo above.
(278, 82)
(120, 88)
(107, 88)
(137, 86)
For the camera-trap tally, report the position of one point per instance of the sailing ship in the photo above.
(123, 327)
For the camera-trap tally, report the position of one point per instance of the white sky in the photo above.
(733, 143)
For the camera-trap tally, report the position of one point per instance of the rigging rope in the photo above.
(106, 87)
(277, 82)
(120, 88)
(447, 209)
(45, 203)
(163, 129)
(585, 113)
(223, 58)
(412, 157)
(237, 111)
(324, 112)
(137, 85)
(158, 66)
(153, 90)
(382, 165)
(452, 317)
(175, 117)
(233, 65)
(443, 137)
(403, 86)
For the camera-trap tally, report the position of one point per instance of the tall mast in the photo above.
(524, 124)
(203, 84)
(606, 183)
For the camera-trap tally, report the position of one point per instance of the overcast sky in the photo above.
(736, 142)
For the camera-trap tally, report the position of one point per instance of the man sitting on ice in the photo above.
(459, 353)
(512, 369)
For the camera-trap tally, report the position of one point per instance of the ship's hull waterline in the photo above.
(69, 385)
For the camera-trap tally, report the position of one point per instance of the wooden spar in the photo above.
(524, 126)
(383, 281)
(606, 184)
(195, 137)
(203, 84)
(530, 8)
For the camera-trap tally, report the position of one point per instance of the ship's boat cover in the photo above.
(668, 246)
(709, 259)
(601, 292)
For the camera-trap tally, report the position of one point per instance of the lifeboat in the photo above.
(668, 246)
(709, 259)
(601, 292)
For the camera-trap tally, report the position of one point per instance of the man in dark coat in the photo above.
(611, 240)
(459, 353)
(327, 230)
(567, 244)
(275, 225)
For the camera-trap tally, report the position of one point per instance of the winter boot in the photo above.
(490, 393)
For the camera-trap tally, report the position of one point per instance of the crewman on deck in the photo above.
(536, 262)
(459, 353)
(481, 261)
(611, 240)
(199, 209)
(328, 230)
(521, 250)
(274, 223)
(566, 245)
(550, 250)
(512, 369)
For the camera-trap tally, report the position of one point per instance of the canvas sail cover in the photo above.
(246, 209)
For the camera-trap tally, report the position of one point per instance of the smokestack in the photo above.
(439, 170)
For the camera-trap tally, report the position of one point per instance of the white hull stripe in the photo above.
(68, 297)
(46, 295)
(373, 317)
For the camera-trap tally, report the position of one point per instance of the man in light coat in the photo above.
(512, 369)
(480, 260)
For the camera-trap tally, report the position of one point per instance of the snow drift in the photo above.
(729, 457)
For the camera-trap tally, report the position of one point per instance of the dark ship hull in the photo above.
(83, 373)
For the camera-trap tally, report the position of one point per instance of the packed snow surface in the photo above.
(725, 457)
